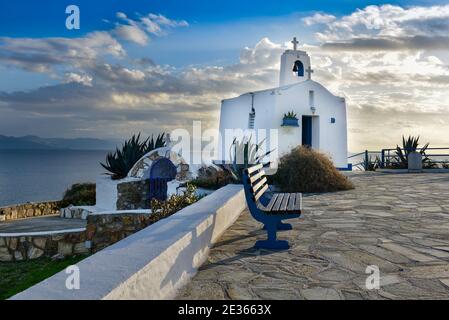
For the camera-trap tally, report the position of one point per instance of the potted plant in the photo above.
(290, 120)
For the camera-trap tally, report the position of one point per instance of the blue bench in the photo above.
(270, 210)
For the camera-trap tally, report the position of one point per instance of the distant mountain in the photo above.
(37, 143)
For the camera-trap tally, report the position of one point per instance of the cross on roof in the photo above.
(295, 43)
(309, 71)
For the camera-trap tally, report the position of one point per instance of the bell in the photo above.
(295, 68)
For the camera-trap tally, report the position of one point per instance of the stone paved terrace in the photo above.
(399, 222)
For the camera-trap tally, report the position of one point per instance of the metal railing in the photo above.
(388, 157)
(364, 159)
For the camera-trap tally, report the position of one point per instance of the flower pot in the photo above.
(290, 123)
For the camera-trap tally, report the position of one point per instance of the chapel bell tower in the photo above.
(295, 66)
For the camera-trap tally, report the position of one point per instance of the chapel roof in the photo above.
(283, 88)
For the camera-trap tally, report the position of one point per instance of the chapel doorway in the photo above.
(307, 131)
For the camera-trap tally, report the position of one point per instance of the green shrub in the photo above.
(306, 170)
(80, 194)
(164, 209)
(120, 162)
(291, 115)
(212, 178)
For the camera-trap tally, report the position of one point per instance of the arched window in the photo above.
(298, 68)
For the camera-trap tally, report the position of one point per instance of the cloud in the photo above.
(138, 30)
(132, 33)
(318, 18)
(393, 79)
(156, 23)
(78, 78)
(44, 54)
(146, 96)
(388, 62)
(398, 43)
(385, 27)
(41, 55)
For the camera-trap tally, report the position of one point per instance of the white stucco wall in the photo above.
(288, 60)
(332, 137)
(106, 193)
(155, 262)
(235, 115)
(271, 105)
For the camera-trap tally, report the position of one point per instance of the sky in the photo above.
(150, 66)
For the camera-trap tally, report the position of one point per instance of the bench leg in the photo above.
(282, 226)
(272, 243)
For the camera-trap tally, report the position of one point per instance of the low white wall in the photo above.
(155, 262)
(106, 193)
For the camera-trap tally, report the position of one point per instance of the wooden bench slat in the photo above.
(259, 185)
(260, 193)
(254, 169)
(284, 202)
(256, 177)
(272, 202)
(278, 203)
(291, 202)
(298, 202)
(272, 214)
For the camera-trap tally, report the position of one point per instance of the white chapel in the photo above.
(320, 120)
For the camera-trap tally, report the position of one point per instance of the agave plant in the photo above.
(372, 165)
(410, 145)
(243, 155)
(155, 144)
(120, 162)
(291, 115)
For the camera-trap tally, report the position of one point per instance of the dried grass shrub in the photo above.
(306, 170)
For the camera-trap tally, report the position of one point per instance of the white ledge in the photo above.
(41, 233)
(155, 262)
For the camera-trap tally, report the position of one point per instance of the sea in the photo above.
(41, 175)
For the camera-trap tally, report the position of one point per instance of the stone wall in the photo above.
(101, 231)
(155, 262)
(29, 210)
(74, 213)
(32, 247)
(133, 195)
(106, 229)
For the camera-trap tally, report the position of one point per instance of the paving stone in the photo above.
(445, 282)
(433, 252)
(202, 290)
(320, 294)
(239, 292)
(429, 272)
(273, 293)
(334, 274)
(383, 222)
(385, 254)
(409, 253)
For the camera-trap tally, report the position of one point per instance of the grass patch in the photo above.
(15, 277)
